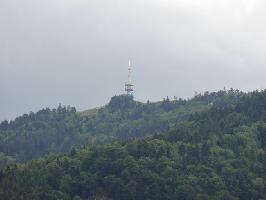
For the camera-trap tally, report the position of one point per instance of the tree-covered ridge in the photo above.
(125, 118)
(55, 131)
(36, 134)
(216, 154)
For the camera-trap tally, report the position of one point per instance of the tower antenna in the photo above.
(129, 86)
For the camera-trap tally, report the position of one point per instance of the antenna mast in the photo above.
(129, 86)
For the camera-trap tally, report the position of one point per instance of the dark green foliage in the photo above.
(217, 154)
(34, 135)
(58, 130)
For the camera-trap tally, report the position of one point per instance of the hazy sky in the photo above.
(75, 52)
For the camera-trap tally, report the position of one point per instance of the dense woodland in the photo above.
(55, 131)
(218, 153)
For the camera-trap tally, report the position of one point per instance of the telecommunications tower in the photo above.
(129, 86)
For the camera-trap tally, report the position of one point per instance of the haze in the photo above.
(76, 52)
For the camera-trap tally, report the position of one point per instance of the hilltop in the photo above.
(218, 153)
(56, 131)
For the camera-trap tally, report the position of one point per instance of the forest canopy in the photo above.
(56, 131)
(218, 153)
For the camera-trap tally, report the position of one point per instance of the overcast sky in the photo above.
(75, 52)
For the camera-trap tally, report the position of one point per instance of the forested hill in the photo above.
(216, 154)
(56, 131)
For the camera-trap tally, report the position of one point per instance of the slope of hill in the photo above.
(58, 130)
(216, 154)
